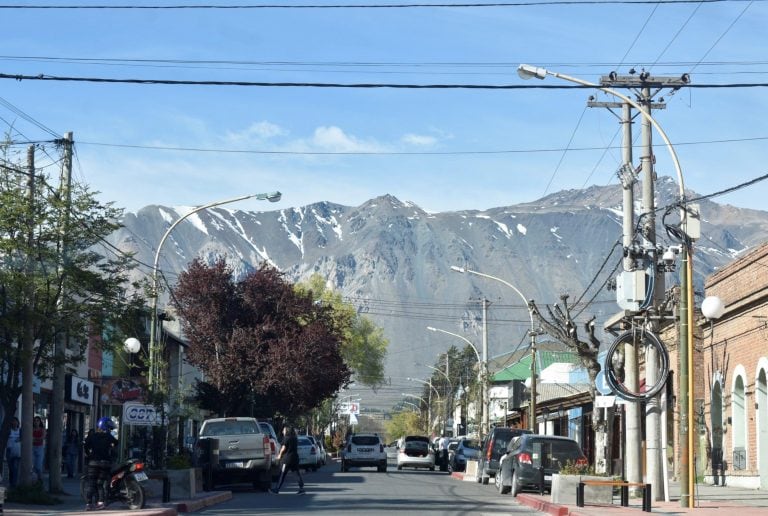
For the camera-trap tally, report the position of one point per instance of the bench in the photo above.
(623, 485)
(162, 475)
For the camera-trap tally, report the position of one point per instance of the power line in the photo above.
(365, 6)
(262, 84)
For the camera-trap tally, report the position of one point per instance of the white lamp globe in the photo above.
(132, 345)
(712, 307)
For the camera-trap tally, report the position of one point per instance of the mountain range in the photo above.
(392, 260)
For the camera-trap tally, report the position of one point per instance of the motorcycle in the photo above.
(124, 485)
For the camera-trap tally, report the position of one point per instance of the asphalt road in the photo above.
(365, 492)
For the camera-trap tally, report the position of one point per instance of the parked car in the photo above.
(526, 456)
(244, 451)
(307, 453)
(274, 442)
(365, 450)
(464, 449)
(494, 446)
(415, 451)
(320, 451)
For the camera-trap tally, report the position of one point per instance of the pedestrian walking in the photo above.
(13, 453)
(71, 452)
(38, 446)
(289, 459)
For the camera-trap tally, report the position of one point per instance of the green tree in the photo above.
(403, 423)
(363, 346)
(44, 297)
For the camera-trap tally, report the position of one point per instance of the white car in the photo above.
(414, 451)
(307, 453)
(274, 443)
(365, 450)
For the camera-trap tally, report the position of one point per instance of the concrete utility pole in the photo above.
(655, 449)
(484, 427)
(56, 421)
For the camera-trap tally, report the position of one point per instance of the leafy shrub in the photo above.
(33, 494)
(179, 462)
(574, 468)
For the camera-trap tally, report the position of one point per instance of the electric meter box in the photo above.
(630, 289)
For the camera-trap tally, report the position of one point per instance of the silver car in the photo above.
(414, 451)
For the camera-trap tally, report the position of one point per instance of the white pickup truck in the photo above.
(244, 451)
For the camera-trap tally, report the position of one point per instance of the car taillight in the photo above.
(524, 458)
(381, 448)
(489, 450)
(267, 445)
(272, 447)
(312, 450)
(349, 448)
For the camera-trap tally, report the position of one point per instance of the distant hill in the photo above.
(392, 260)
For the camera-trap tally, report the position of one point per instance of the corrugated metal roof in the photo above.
(522, 368)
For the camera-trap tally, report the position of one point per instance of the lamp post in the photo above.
(429, 404)
(688, 474)
(533, 333)
(448, 397)
(154, 347)
(483, 364)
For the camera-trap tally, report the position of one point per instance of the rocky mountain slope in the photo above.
(393, 260)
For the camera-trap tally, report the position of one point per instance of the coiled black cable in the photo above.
(618, 386)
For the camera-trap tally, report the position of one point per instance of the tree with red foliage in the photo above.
(263, 346)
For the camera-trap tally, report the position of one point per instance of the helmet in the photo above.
(105, 424)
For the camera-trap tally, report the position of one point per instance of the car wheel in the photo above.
(382, 469)
(399, 468)
(485, 479)
(515, 488)
(343, 466)
(432, 468)
(500, 484)
(314, 468)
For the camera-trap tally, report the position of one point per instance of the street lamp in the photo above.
(533, 333)
(688, 473)
(154, 347)
(429, 404)
(483, 365)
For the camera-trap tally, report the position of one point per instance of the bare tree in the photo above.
(561, 326)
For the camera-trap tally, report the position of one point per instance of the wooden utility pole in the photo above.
(56, 421)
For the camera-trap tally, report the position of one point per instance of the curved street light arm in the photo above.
(527, 72)
(474, 348)
(154, 373)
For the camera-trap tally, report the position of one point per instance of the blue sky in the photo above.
(444, 149)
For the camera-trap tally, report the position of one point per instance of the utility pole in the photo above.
(28, 344)
(654, 282)
(485, 425)
(56, 421)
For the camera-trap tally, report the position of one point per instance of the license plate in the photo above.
(365, 450)
(233, 465)
(548, 477)
(140, 476)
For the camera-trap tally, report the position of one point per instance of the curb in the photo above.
(203, 502)
(543, 506)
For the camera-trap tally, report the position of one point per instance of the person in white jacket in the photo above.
(13, 453)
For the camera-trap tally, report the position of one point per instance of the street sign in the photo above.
(605, 401)
(349, 408)
(601, 384)
(141, 415)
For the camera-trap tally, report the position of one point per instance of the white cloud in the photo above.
(334, 139)
(257, 131)
(419, 140)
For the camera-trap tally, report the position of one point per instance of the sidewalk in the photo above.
(709, 500)
(72, 503)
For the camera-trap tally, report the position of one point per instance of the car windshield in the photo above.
(365, 440)
(470, 443)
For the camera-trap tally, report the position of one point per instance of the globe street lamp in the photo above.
(483, 365)
(154, 347)
(533, 333)
(688, 473)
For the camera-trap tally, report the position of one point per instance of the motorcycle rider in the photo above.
(99, 448)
